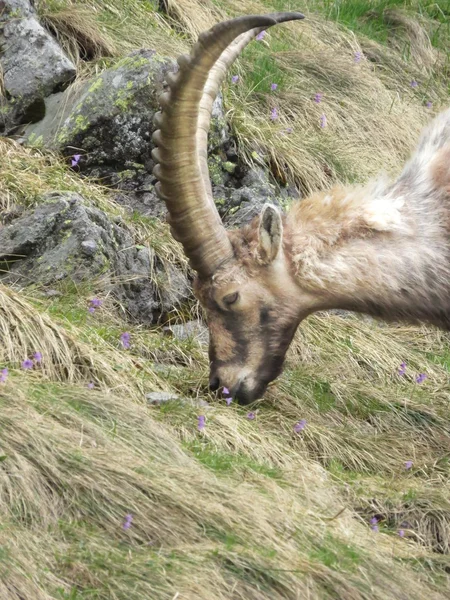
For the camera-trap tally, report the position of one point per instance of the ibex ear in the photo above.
(270, 233)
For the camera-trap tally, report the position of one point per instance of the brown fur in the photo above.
(440, 170)
(382, 249)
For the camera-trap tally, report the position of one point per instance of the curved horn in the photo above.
(181, 139)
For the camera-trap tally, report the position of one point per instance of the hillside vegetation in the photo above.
(106, 497)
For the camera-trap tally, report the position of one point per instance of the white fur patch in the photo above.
(383, 214)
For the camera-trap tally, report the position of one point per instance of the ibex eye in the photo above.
(230, 299)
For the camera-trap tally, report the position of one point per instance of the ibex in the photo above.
(382, 249)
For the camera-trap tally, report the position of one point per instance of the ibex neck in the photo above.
(389, 262)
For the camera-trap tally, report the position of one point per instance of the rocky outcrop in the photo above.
(64, 238)
(108, 122)
(109, 119)
(32, 62)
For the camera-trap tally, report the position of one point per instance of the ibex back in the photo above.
(383, 249)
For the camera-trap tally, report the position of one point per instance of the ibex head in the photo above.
(243, 278)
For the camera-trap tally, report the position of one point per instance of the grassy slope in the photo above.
(245, 508)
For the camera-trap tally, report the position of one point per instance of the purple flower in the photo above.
(96, 302)
(261, 35)
(373, 520)
(91, 385)
(273, 86)
(289, 130)
(75, 160)
(235, 78)
(37, 357)
(201, 422)
(127, 521)
(401, 532)
(3, 375)
(300, 426)
(402, 369)
(125, 340)
(251, 416)
(318, 98)
(274, 114)
(228, 398)
(429, 104)
(91, 309)
(358, 57)
(375, 528)
(414, 83)
(408, 464)
(421, 378)
(323, 121)
(27, 364)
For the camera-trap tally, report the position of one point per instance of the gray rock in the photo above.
(33, 64)
(238, 205)
(89, 247)
(109, 119)
(188, 331)
(158, 398)
(16, 9)
(63, 238)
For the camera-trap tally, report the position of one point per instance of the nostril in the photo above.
(214, 383)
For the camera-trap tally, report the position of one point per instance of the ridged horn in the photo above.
(182, 137)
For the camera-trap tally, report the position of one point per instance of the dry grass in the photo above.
(68, 354)
(106, 458)
(78, 33)
(27, 174)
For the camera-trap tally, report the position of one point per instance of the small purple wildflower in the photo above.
(251, 416)
(96, 302)
(27, 364)
(289, 130)
(261, 35)
(375, 528)
(125, 340)
(91, 385)
(402, 369)
(37, 357)
(421, 378)
(401, 532)
(75, 160)
(3, 375)
(201, 422)
(318, 97)
(274, 114)
(408, 464)
(323, 121)
(300, 426)
(228, 398)
(373, 520)
(358, 57)
(273, 86)
(429, 104)
(235, 79)
(91, 309)
(414, 83)
(127, 521)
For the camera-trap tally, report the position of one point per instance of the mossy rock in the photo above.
(109, 119)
